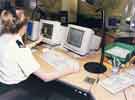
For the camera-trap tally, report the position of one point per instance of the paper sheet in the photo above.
(119, 52)
(116, 83)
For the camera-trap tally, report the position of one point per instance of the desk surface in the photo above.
(77, 79)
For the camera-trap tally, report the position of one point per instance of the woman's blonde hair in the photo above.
(11, 25)
(6, 21)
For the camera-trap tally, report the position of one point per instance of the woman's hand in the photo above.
(35, 43)
(39, 40)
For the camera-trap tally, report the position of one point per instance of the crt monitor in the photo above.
(51, 31)
(33, 30)
(79, 39)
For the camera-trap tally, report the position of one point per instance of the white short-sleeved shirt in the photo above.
(16, 64)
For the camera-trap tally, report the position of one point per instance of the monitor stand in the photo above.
(95, 67)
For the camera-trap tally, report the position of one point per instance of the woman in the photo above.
(16, 61)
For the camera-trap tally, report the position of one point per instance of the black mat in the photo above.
(35, 89)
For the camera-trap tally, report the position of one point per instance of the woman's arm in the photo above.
(33, 44)
(55, 74)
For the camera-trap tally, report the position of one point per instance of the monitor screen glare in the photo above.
(47, 30)
(132, 25)
(75, 37)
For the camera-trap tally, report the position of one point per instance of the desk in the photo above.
(77, 80)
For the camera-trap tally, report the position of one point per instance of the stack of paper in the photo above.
(116, 83)
(119, 52)
(131, 72)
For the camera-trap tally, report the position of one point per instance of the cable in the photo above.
(125, 95)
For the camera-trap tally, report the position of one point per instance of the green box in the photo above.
(121, 51)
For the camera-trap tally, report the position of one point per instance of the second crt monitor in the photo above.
(80, 39)
(51, 31)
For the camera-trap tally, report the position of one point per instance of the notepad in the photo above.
(118, 51)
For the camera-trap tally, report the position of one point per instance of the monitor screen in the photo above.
(112, 22)
(47, 30)
(75, 37)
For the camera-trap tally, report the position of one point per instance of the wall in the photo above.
(87, 9)
(72, 7)
(52, 5)
(68, 5)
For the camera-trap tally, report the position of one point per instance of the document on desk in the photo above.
(117, 83)
(58, 61)
(131, 71)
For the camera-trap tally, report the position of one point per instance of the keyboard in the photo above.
(58, 61)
